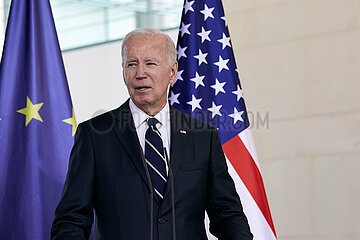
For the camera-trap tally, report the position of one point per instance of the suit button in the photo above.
(161, 220)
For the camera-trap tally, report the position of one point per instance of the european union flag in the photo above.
(37, 122)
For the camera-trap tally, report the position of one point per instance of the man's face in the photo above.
(147, 73)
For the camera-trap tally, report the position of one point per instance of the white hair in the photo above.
(170, 46)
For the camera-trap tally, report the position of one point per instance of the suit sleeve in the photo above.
(227, 219)
(74, 213)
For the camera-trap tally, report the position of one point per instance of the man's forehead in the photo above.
(141, 39)
(148, 47)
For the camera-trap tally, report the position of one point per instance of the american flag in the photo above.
(207, 87)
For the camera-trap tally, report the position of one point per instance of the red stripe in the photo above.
(249, 173)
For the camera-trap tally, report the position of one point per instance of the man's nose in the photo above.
(140, 71)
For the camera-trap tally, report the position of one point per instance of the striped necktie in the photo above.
(154, 156)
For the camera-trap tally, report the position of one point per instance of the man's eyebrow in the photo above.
(151, 60)
(146, 60)
(131, 59)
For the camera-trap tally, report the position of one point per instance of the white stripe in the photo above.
(155, 170)
(158, 193)
(248, 140)
(162, 157)
(156, 131)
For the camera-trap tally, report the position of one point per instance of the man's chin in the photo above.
(149, 106)
(142, 103)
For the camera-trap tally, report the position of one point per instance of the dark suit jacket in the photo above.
(106, 174)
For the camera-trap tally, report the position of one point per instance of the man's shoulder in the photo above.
(107, 120)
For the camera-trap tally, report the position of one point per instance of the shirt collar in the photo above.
(139, 116)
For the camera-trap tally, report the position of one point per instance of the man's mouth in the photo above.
(142, 88)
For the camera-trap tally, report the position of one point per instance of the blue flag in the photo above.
(37, 122)
(208, 87)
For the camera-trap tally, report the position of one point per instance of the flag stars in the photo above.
(219, 87)
(181, 52)
(201, 57)
(198, 80)
(72, 122)
(188, 6)
(224, 18)
(204, 35)
(222, 64)
(238, 93)
(31, 111)
(225, 41)
(237, 116)
(184, 29)
(215, 110)
(207, 12)
(178, 76)
(195, 103)
(174, 98)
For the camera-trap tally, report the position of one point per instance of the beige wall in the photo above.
(299, 61)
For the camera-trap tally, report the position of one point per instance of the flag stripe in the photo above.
(249, 173)
(248, 140)
(257, 221)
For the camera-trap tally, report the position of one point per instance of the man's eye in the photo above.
(151, 63)
(131, 64)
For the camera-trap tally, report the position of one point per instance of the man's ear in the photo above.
(173, 72)
(123, 73)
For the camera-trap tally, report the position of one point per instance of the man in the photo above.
(118, 163)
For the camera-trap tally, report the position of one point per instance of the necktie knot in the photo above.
(152, 122)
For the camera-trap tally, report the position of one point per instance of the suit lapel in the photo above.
(179, 136)
(126, 132)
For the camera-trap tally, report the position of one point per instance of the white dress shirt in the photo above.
(163, 125)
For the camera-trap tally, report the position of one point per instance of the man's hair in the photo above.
(170, 47)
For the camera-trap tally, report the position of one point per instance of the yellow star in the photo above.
(72, 121)
(31, 111)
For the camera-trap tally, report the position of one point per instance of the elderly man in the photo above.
(119, 164)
